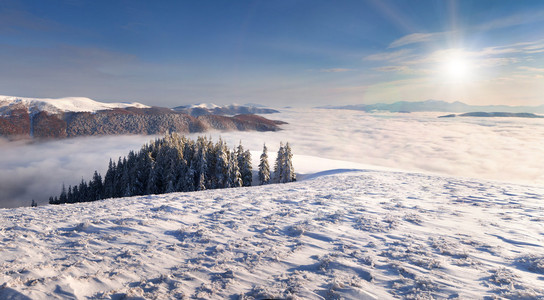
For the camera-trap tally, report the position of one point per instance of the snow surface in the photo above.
(344, 232)
(204, 105)
(69, 104)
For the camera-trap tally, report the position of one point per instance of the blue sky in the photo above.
(297, 52)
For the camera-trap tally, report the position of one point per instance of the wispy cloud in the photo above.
(416, 38)
(531, 69)
(388, 56)
(15, 20)
(392, 69)
(513, 20)
(335, 70)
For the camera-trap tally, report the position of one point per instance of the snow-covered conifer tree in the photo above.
(287, 169)
(244, 163)
(63, 196)
(201, 164)
(221, 164)
(69, 195)
(96, 187)
(234, 178)
(109, 180)
(278, 167)
(264, 168)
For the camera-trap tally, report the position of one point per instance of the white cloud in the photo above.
(484, 148)
(401, 69)
(531, 69)
(335, 70)
(416, 38)
(37, 170)
(513, 20)
(388, 56)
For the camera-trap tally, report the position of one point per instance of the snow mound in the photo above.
(69, 104)
(347, 235)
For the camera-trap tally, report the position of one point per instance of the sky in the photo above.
(278, 53)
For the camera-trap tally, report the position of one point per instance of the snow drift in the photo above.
(354, 234)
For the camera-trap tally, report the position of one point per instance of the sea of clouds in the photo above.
(503, 149)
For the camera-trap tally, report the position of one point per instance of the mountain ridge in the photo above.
(23, 118)
(437, 106)
(202, 109)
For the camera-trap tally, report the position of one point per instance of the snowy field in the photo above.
(354, 234)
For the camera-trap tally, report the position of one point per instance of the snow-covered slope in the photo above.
(356, 234)
(69, 104)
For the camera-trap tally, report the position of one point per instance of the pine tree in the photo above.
(76, 194)
(33, 204)
(264, 168)
(63, 198)
(69, 195)
(83, 191)
(244, 163)
(278, 167)
(201, 165)
(175, 163)
(96, 187)
(287, 169)
(141, 173)
(118, 184)
(234, 178)
(109, 181)
(221, 164)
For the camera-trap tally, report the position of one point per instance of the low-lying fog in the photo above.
(505, 149)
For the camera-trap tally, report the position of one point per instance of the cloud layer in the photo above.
(505, 149)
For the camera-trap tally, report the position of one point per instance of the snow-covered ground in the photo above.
(68, 104)
(468, 225)
(343, 232)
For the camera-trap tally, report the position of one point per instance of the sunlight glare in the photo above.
(457, 69)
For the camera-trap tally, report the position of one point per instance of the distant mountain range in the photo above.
(71, 117)
(437, 106)
(227, 110)
(480, 114)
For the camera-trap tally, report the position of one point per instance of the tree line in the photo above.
(175, 163)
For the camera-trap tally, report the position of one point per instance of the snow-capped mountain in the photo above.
(226, 110)
(346, 233)
(70, 117)
(60, 105)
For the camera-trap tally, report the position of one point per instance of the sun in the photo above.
(457, 68)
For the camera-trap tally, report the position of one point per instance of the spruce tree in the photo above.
(244, 163)
(233, 171)
(109, 180)
(278, 167)
(221, 164)
(264, 168)
(201, 165)
(96, 187)
(69, 195)
(63, 198)
(141, 173)
(287, 169)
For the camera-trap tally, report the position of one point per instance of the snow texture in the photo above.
(341, 233)
(69, 104)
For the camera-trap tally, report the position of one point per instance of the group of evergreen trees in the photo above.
(177, 164)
